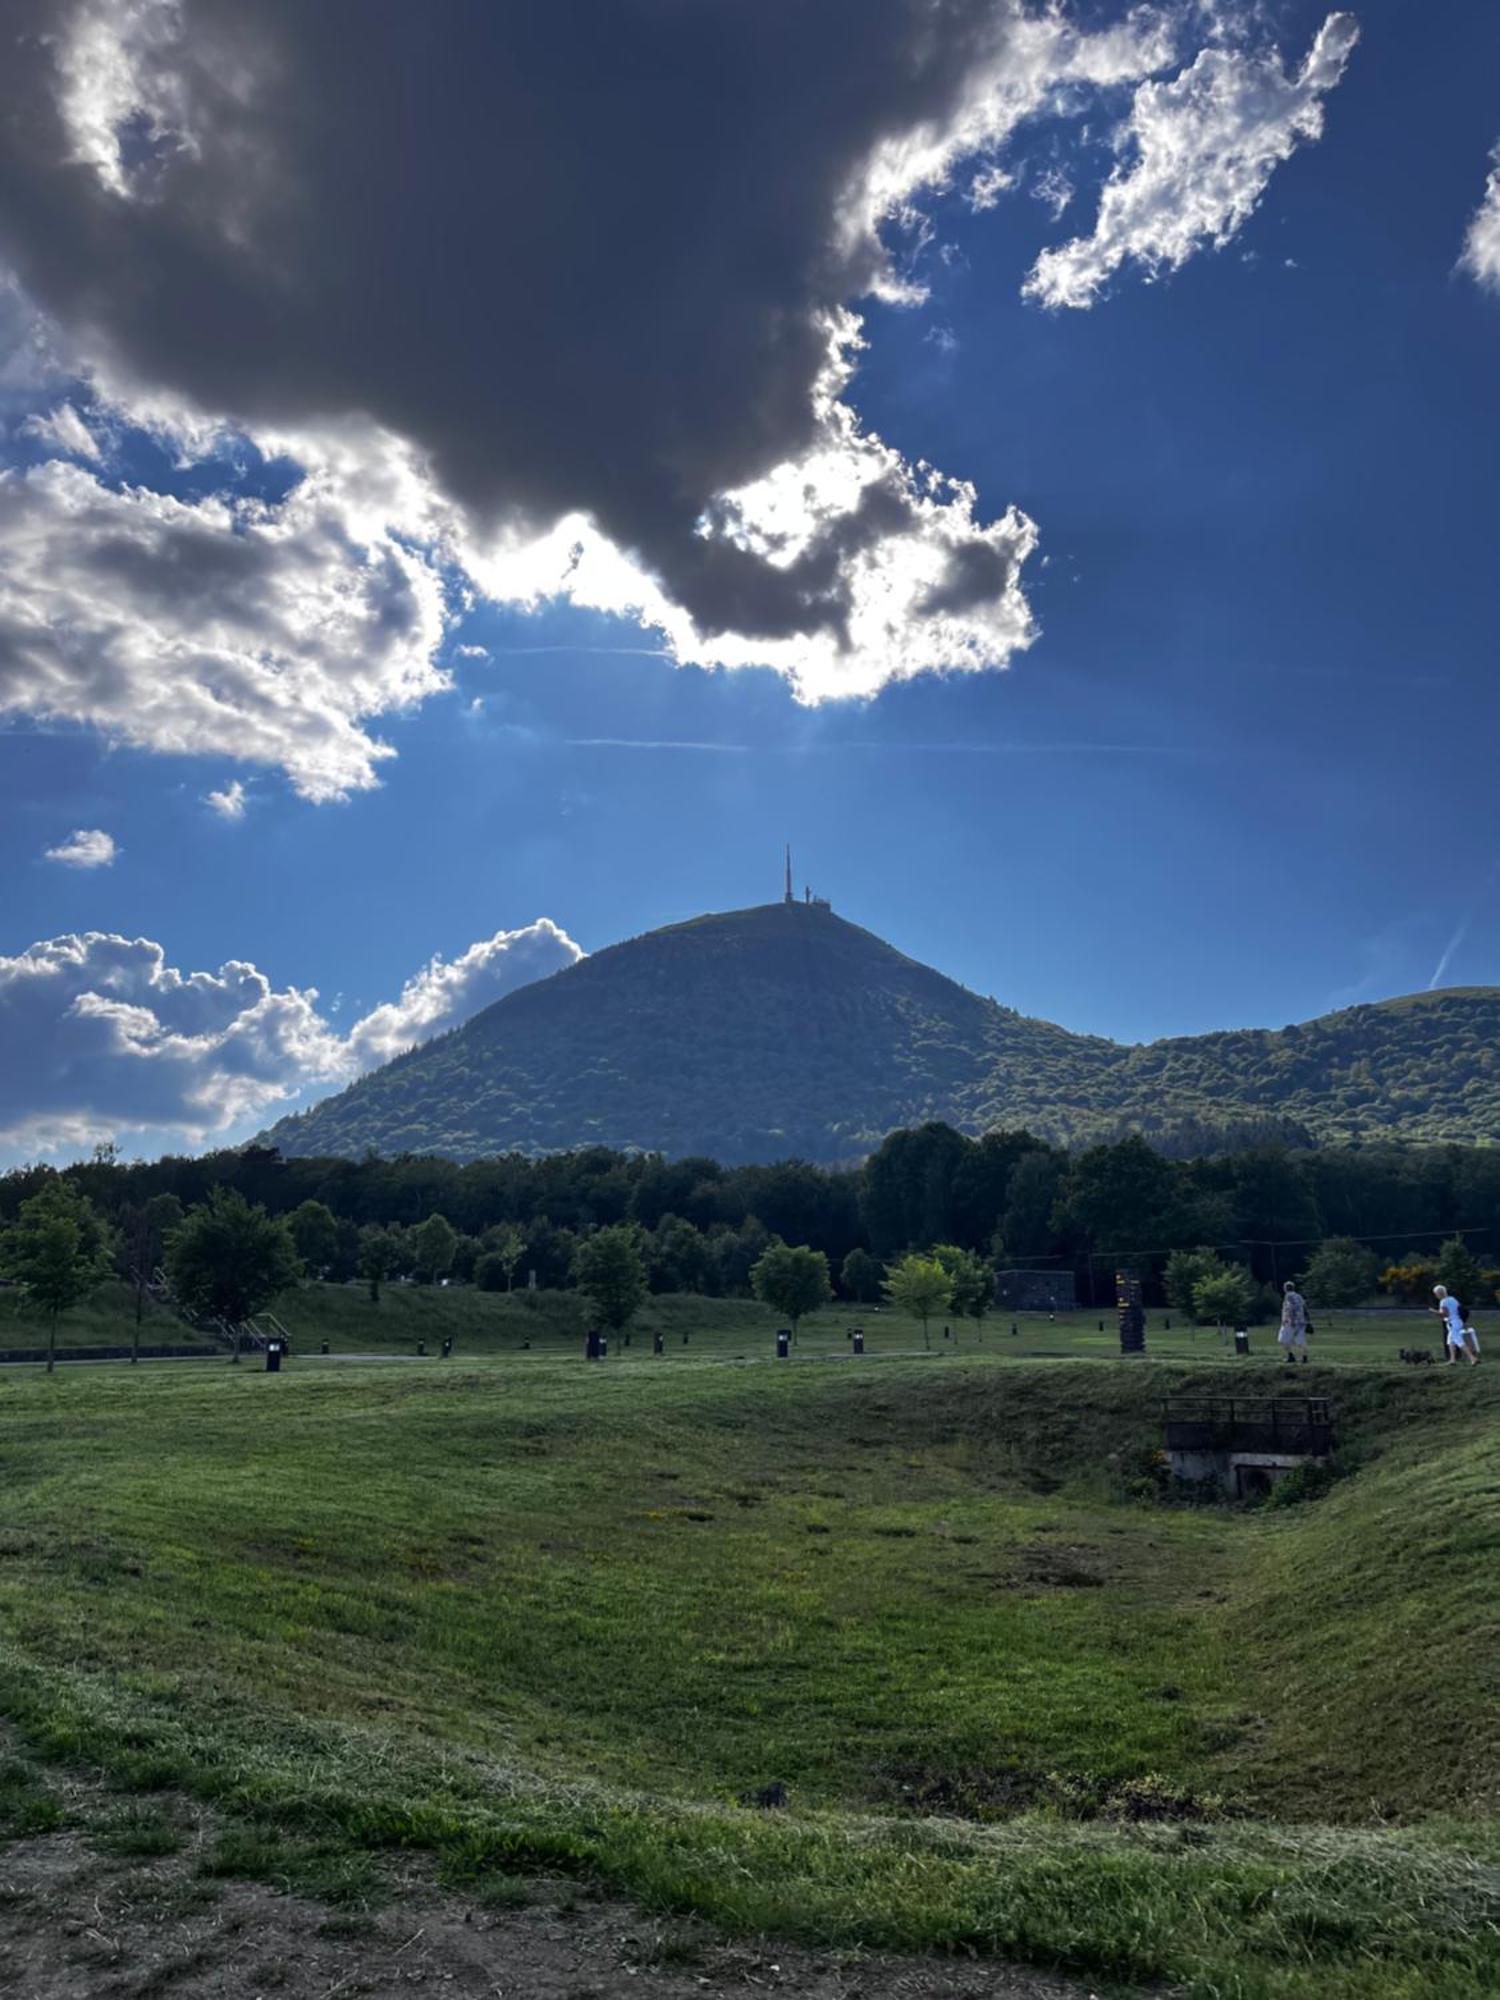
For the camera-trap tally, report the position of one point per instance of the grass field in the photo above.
(553, 1323)
(569, 1616)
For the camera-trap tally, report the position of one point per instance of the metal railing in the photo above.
(1297, 1424)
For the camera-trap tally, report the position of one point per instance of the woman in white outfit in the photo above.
(1293, 1334)
(1452, 1315)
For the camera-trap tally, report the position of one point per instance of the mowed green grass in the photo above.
(552, 1324)
(528, 1611)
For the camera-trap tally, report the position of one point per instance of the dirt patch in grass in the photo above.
(78, 1924)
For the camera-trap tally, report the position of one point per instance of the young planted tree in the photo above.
(611, 1273)
(507, 1245)
(433, 1244)
(145, 1228)
(1186, 1270)
(381, 1255)
(1224, 1298)
(920, 1287)
(792, 1280)
(229, 1259)
(315, 1231)
(57, 1251)
(971, 1281)
(1340, 1272)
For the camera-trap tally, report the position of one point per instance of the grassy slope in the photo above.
(569, 1614)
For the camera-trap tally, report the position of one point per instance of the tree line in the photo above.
(1347, 1217)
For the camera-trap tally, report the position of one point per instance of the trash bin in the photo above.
(273, 1357)
(783, 1344)
(1242, 1340)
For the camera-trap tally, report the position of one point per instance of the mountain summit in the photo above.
(785, 1030)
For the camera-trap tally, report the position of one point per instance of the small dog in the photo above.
(1417, 1357)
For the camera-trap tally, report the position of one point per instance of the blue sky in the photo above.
(1242, 775)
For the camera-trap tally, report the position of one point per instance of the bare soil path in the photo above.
(78, 1924)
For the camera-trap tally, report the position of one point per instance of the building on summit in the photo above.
(808, 900)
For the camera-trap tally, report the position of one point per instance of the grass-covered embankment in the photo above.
(569, 1615)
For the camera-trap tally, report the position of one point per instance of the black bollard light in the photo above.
(273, 1357)
(783, 1344)
(1014, 1329)
(859, 1340)
(447, 1345)
(684, 1340)
(324, 1348)
(657, 1343)
(591, 1347)
(421, 1347)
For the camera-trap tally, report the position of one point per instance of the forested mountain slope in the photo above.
(784, 1030)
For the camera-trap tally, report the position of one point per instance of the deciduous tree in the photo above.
(921, 1287)
(1224, 1298)
(228, 1258)
(860, 1277)
(433, 1243)
(507, 1245)
(57, 1251)
(971, 1281)
(1459, 1269)
(611, 1273)
(792, 1280)
(315, 1231)
(1340, 1272)
(1186, 1269)
(381, 1255)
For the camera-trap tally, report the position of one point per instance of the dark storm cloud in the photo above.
(582, 254)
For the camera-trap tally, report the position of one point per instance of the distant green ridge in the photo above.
(785, 1030)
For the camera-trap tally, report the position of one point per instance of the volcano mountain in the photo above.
(785, 1031)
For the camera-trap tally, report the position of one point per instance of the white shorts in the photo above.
(1456, 1339)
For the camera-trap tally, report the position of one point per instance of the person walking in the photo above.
(1293, 1334)
(1451, 1313)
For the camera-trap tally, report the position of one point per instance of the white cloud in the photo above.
(100, 1038)
(65, 431)
(267, 633)
(929, 587)
(85, 847)
(444, 993)
(1481, 251)
(200, 234)
(229, 803)
(1199, 151)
